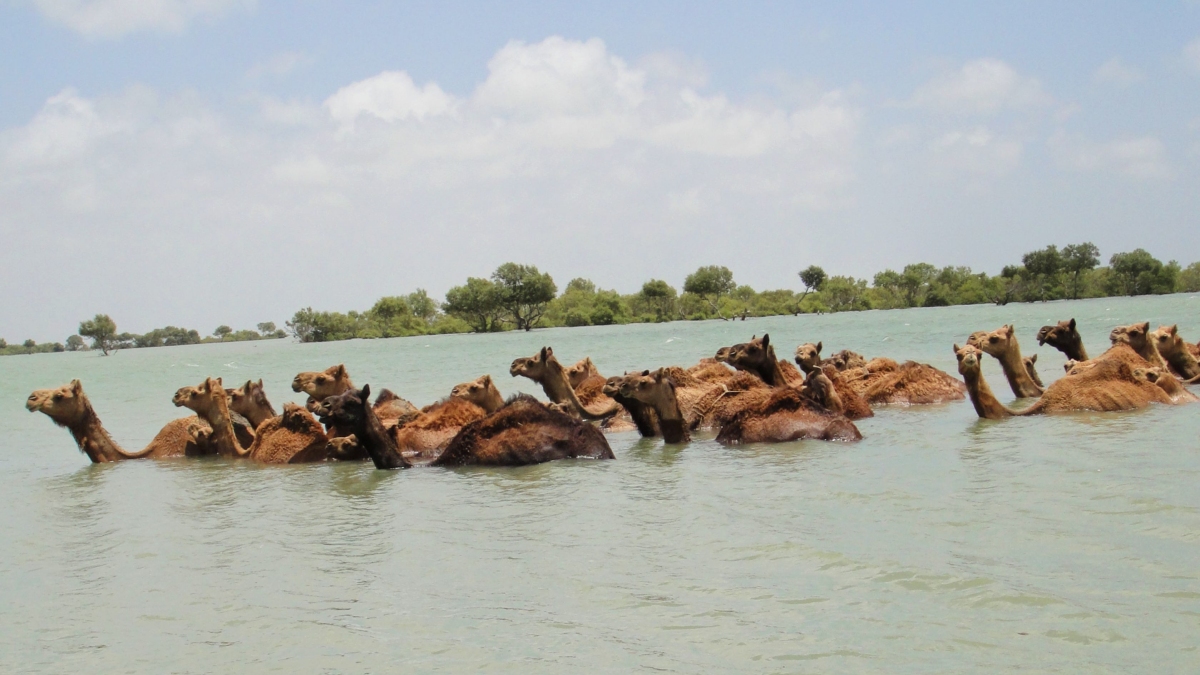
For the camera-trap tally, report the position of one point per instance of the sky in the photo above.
(206, 162)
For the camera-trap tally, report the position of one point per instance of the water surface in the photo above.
(940, 543)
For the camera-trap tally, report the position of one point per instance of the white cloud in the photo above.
(279, 65)
(390, 96)
(981, 86)
(1143, 157)
(116, 18)
(977, 151)
(1115, 71)
(1191, 54)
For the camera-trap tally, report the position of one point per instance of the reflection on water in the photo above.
(939, 543)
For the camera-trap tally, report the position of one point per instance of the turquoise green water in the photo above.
(939, 544)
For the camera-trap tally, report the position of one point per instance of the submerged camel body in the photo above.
(522, 431)
(545, 369)
(1176, 352)
(885, 382)
(1108, 383)
(67, 406)
(1003, 346)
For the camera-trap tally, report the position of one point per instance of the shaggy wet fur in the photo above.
(429, 433)
(909, 383)
(295, 437)
(524, 432)
(1174, 350)
(787, 416)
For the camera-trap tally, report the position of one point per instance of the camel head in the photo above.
(997, 343)
(347, 410)
(480, 391)
(649, 387)
(321, 384)
(65, 405)
(250, 400)
(535, 367)
(1060, 336)
(1151, 374)
(1071, 363)
(845, 360)
(1030, 363)
(970, 359)
(201, 398)
(612, 386)
(1168, 341)
(819, 388)
(581, 371)
(1135, 335)
(808, 356)
(757, 354)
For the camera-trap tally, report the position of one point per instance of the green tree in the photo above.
(711, 283)
(1043, 266)
(1139, 273)
(813, 278)
(914, 282)
(523, 293)
(3, 343)
(1189, 279)
(1078, 259)
(74, 344)
(477, 303)
(422, 306)
(660, 296)
(310, 326)
(267, 328)
(222, 332)
(29, 345)
(845, 294)
(102, 330)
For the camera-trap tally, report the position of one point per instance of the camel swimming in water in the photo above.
(545, 369)
(334, 380)
(1171, 346)
(1064, 337)
(1137, 336)
(67, 406)
(1003, 346)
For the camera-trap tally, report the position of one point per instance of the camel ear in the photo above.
(819, 345)
(766, 340)
(1009, 329)
(956, 348)
(1072, 325)
(487, 380)
(1146, 327)
(76, 387)
(365, 393)
(1033, 359)
(1174, 330)
(645, 373)
(260, 384)
(658, 375)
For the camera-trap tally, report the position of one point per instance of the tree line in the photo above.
(521, 297)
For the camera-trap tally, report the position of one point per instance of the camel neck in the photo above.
(558, 389)
(93, 439)
(223, 438)
(986, 404)
(670, 418)
(1018, 378)
(1076, 350)
(378, 443)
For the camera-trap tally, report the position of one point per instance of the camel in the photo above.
(480, 391)
(210, 402)
(882, 381)
(1002, 344)
(758, 356)
(351, 411)
(656, 392)
(545, 369)
(588, 384)
(524, 432)
(1103, 385)
(1171, 346)
(1168, 383)
(710, 370)
(1030, 363)
(787, 415)
(334, 380)
(845, 360)
(1137, 336)
(643, 416)
(67, 406)
(854, 406)
(250, 401)
(295, 437)
(1065, 338)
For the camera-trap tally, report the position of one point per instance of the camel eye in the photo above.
(58, 397)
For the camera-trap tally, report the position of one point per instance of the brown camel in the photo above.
(884, 382)
(657, 392)
(642, 415)
(210, 402)
(854, 406)
(545, 369)
(1103, 385)
(758, 356)
(295, 437)
(845, 360)
(67, 406)
(1065, 338)
(1002, 344)
(351, 411)
(1168, 383)
(334, 380)
(428, 434)
(1030, 363)
(481, 391)
(524, 432)
(250, 401)
(1137, 336)
(588, 384)
(1171, 346)
(787, 415)
(710, 370)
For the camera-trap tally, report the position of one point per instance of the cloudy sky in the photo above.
(196, 162)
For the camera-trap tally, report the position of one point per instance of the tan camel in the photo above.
(657, 391)
(1103, 385)
(845, 360)
(1137, 336)
(1003, 346)
(1168, 383)
(758, 356)
(334, 380)
(295, 437)
(1030, 363)
(545, 369)
(1064, 337)
(643, 416)
(588, 384)
(481, 391)
(787, 415)
(250, 401)
(854, 406)
(884, 382)
(67, 406)
(711, 370)
(1171, 346)
(210, 402)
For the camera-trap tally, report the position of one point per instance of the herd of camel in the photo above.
(745, 394)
